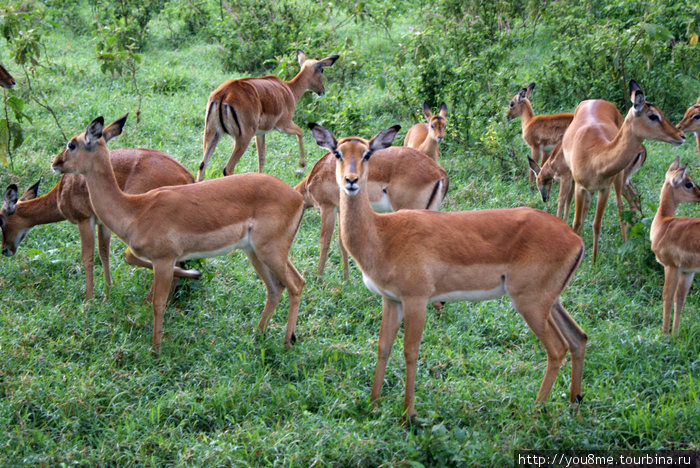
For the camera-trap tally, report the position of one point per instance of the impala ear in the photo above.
(530, 87)
(533, 166)
(426, 110)
(10, 200)
(637, 97)
(384, 139)
(94, 131)
(114, 129)
(443, 110)
(324, 138)
(328, 61)
(32, 192)
(301, 57)
(522, 94)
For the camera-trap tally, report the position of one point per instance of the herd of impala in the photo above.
(153, 204)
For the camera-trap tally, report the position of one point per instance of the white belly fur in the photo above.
(473, 296)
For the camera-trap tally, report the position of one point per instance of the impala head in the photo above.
(14, 228)
(436, 123)
(545, 177)
(683, 188)
(314, 70)
(6, 80)
(515, 107)
(77, 157)
(352, 154)
(649, 123)
(691, 119)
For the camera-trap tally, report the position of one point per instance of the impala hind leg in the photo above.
(686, 279)
(392, 315)
(240, 145)
(598, 220)
(576, 339)
(211, 138)
(260, 148)
(178, 272)
(293, 129)
(87, 250)
(672, 277)
(162, 281)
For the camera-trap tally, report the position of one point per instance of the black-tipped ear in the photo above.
(637, 96)
(9, 199)
(384, 139)
(426, 110)
(522, 94)
(32, 192)
(443, 110)
(115, 128)
(301, 57)
(94, 131)
(324, 138)
(328, 61)
(533, 166)
(530, 87)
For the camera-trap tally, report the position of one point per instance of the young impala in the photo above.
(411, 257)
(676, 242)
(254, 212)
(251, 107)
(599, 144)
(399, 178)
(556, 168)
(426, 137)
(6, 80)
(691, 121)
(136, 170)
(540, 132)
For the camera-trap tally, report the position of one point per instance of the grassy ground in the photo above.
(80, 384)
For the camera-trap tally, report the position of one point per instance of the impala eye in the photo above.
(432, 126)
(654, 117)
(696, 117)
(338, 155)
(689, 185)
(71, 145)
(512, 104)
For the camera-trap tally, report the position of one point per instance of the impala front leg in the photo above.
(104, 237)
(87, 248)
(392, 314)
(672, 276)
(414, 323)
(686, 279)
(598, 220)
(582, 201)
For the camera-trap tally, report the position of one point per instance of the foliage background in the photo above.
(78, 382)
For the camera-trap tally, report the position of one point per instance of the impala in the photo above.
(256, 213)
(676, 242)
(540, 132)
(399, 178)
(136, 170)
(691, 121)
(411, 257)
(599, 144)
(556, 168)
(426, 137)
(251, 107)
(6, 80)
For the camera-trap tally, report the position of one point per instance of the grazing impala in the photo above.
(691, 121)
(540, 132)
(6, 80)
(555, 168)
(599, 144)
(136, 170)
(676, 242)
(251, 107)
(256, 213)
(426, 137)
(399, 178)
(414, 256)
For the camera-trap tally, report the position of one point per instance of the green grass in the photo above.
(79, 383)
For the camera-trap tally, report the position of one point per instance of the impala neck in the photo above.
(667, 204)
(358, 227)
(697, 138)
(111, 205)
(298, 85)
(42, 210)
(619, 153)
(430, 147)
(526, 115)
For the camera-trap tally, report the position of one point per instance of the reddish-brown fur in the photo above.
(691, 121)
(413, 256)
(257, 213)
(250, 107)
(540, 132)
(676, 242)
(6, 80)
(405, 176)
(599, 144)
(426, 137)
(136, 170)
